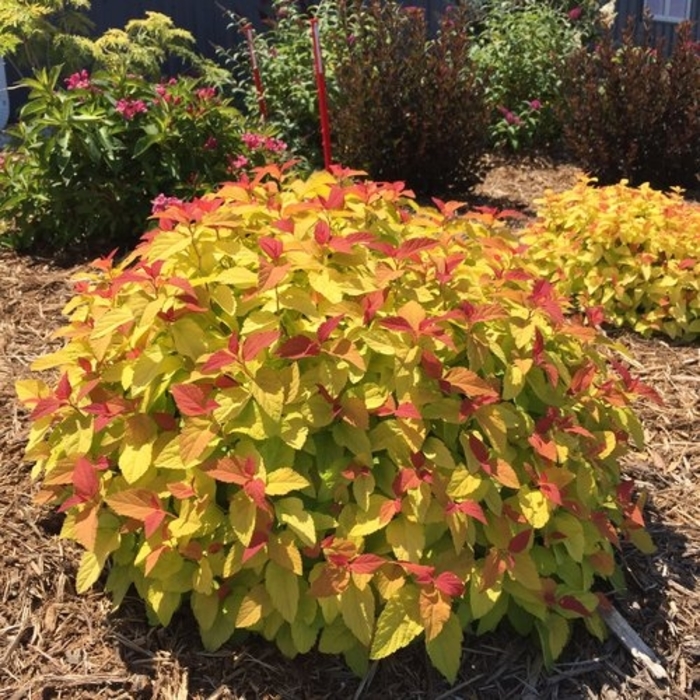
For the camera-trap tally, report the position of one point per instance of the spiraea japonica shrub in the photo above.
(314, 410)
(630, 111)
(632, 253)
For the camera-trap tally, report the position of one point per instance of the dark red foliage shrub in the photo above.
(631, 111)
(409, 106)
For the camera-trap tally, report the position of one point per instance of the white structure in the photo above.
(4, 96)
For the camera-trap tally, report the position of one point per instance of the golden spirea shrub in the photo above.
(632, 253)
(317, 411)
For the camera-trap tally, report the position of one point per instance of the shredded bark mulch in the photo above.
(56, 644)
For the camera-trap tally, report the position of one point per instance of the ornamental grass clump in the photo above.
(314, 410)
(631, 253)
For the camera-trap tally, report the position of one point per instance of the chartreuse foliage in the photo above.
(319, 412)
(632, 252)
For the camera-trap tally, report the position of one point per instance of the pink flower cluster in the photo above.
(575, 13)
(130, 108)
(163, 92)
(237, 163)
(162, 202)
(206, 93)
(78, 81)
(509, 116)
(211, 143)
(257, 142)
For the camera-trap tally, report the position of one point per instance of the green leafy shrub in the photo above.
(630, 112)
(520, 53)
(409, 107)
(36, 34)
(40, 33)
(89, 158)
(284, 54)
(318, 412)
(633, 254)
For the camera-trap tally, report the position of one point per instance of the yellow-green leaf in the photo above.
(283, 588)
(445, 650)
(242, 513)
(291, 511)
(205, 608)
(397, 626)
(357, 609)
(406, 538)
(88, 571)
(282, 481)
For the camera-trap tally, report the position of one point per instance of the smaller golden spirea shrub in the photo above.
(631, 253)
(319, 412)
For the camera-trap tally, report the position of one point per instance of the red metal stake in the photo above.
(262, 106)
(321, 89)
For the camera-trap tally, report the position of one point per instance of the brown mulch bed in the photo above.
(56, 644)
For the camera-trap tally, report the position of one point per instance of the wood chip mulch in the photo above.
(56, 644)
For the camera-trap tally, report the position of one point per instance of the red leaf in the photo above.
(286, 225)
(298, 347)
(327, 327)
(479, 449)
(494, 568)
(255, 488)
(366, 563)
(336, 198)
(218, 360)
(269, 276)
(415, 245)
(545, 448)
(450, 584)
(431, 365)
(192, 400)
(474, 510)
(63, 389)
(181, 490)
(397, 323)
(85, 479)
(371, 303)
(422, 572)
(331, 581)
(407, 410)
(45, 407)
(406, 479)
(258, 541)
(233, 470)
(153, 521)
(568, 602)
(470, 383)
(551, 492)
(322, 233)
(255, 343)
(272, 246)
(583, 378)
(519, 542)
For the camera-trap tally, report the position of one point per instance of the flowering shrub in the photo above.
(89, 157)
(520, 55)
(316, 411)
(516, 129)
(630, 112)
(631, 256)
(409, 107)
